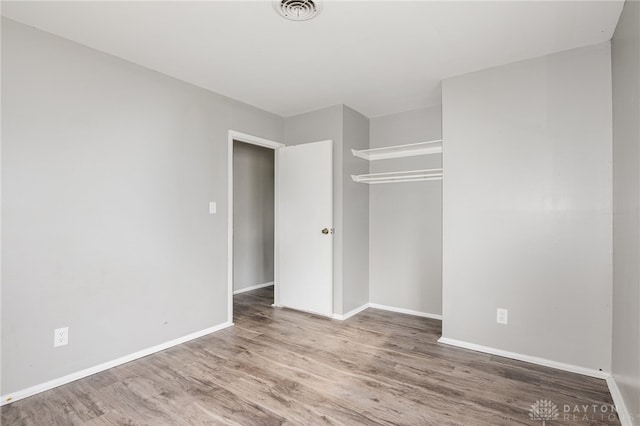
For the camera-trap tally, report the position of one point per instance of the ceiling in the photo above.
(379, 57)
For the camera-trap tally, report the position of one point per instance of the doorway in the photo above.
(253, 217)
(303, 225)
(251, 214)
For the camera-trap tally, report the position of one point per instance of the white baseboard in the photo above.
(385, 308)
(255, 287)
(405, 311)
(526, 358)
(351, 313)
(24, 393)
(621, 408)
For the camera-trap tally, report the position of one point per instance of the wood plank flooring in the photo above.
(278, 366)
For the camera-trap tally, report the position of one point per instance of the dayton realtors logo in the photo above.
(544, 410)
(589, 413)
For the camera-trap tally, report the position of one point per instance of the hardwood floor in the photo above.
(278, 366)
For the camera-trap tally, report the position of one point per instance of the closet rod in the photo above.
(375, 182)
(397, 177)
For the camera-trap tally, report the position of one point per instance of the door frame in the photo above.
(266, 143)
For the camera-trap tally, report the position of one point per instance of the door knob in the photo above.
(325, 231)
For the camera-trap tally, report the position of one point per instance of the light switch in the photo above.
(212, 207)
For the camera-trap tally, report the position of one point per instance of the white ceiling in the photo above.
(378, 57)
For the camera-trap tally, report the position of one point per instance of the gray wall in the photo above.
(626, 213)
(355, 264)
(348, 129)
(107, 172)
(253, 220)
(527, 207)
(406, 218)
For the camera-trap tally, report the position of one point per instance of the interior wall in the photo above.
(253, 215)
(107, 173)
(406, 218)
(527, 210)
(626, 212)
(355, 266)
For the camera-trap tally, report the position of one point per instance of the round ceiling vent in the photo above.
(298, 10)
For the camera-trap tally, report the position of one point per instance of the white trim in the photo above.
(266, 143)
(385, 308)
(618, 401)
(350, 313)
(276, 254)
(405, 311)
(526, 358)
(253, 287)
(30, 391)
(254, 140)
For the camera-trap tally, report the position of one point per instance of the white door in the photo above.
(304, 225)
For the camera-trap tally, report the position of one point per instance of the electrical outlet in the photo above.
(60, 336)
(502, 316)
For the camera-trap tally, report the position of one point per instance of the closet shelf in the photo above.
(399, 151)
(398, 177)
